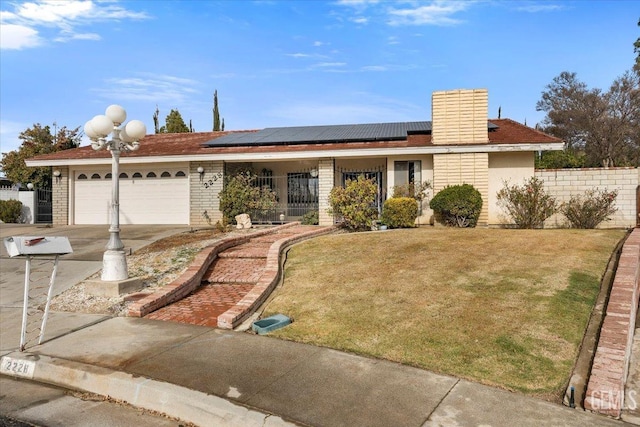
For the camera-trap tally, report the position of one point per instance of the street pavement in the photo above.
(212, 377)
(45, 405)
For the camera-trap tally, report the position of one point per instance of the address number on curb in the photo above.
(17, 367)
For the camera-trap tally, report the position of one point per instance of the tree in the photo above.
(602, 125)
(216, 113)
(156, 117)
(35, 141)
(636, 49)
(174, 123)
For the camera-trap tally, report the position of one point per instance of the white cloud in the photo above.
(369, 109)
(539, 7)
(299, 55)
(18, 37)
(374, 68)
(360, 20)
(22, 27)
(319, 43)
(149, 87)
(436, 13)
(330, 64)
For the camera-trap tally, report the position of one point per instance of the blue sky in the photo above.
(290, 63)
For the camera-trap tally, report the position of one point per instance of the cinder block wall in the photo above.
(468, 168)
(60, 188)
(204, 188)
(563, 183)
(325, 184)
(460, 116)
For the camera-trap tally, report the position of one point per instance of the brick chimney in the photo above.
(460, 117)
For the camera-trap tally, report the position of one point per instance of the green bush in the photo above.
(400, 212)
(414, 190)
(311, 218)
(242, 195)
(10, 210)
(590, 209)
(457, 205)
(527, 205)
(355, 203)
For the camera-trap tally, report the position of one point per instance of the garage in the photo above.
(147, 196)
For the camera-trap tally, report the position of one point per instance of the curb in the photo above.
(188, 405)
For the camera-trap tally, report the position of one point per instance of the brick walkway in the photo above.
(229, 278)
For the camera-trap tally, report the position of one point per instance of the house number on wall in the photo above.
(210, 182)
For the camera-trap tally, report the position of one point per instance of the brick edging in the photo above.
(191, 278)
(267, 282)
(606, 387)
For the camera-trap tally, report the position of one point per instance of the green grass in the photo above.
(502, 307)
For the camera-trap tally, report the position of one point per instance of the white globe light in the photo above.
(116, 114)
(88, 130)
(101, 125)
(30, 186)
(135, 129)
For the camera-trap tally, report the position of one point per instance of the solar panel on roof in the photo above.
(324, 134)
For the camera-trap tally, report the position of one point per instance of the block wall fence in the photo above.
(564, 183)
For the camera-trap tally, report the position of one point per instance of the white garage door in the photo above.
(146, 197)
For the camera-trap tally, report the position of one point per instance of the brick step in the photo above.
(270, 238)
(235, 270)
(247, 250)
(204, 305)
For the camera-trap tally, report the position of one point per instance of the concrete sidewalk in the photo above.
(215, 378)
(212, 377)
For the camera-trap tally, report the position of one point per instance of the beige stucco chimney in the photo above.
(460, 116)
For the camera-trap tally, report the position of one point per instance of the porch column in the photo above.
(204, 187)
(60, 197)
(325, 184)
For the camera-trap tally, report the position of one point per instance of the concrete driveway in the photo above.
(88, 243)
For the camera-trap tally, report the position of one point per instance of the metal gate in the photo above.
(296, 193)
(44, 206)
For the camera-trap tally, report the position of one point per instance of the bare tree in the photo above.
(601, 125)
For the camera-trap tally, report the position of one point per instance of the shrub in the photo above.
(242, 195)
(355, 203)
(10, 210)
(590, 209)
(417, 191)
(400, 212)
(527, 205)
(457, 205)
(311, 218)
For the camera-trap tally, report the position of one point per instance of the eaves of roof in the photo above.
(508, 136)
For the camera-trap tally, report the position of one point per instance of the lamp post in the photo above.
(114, 261)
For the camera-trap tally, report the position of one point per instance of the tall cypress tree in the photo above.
(216, 112)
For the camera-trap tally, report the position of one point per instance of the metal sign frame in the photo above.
(32, 247)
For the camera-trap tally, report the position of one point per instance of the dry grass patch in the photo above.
(502, 307)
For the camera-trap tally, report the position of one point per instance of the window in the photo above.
(108, 176)
(180, 173)
(123, 175)
(137, 175)
(165, 174)
(82, 176)
(152, 175)
(408, 172)
(95, 176)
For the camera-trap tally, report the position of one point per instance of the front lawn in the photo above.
(503, 307)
